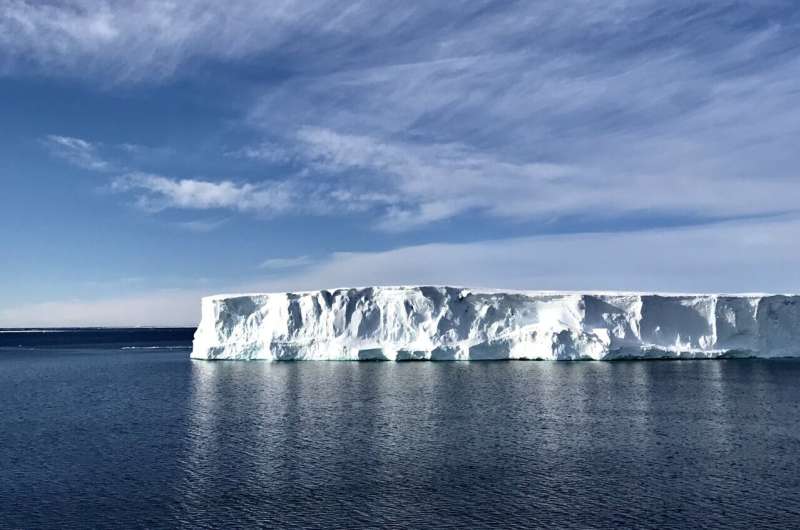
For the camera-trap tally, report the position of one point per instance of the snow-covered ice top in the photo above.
(453, 323)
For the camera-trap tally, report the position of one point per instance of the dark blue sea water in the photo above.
(93, 435)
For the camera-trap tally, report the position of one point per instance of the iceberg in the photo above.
(454, 323)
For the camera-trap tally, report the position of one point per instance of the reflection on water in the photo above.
(158, 440)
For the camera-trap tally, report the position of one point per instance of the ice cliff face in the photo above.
(445, 323)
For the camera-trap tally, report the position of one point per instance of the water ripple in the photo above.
(154, 440)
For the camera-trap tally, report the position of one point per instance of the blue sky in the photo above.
(153, 152)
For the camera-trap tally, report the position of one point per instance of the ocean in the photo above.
(119, 428)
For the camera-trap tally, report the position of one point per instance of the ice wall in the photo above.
(447, 323)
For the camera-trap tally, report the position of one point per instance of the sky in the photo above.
(154, 152)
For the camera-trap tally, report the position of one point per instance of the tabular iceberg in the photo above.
(449, 323)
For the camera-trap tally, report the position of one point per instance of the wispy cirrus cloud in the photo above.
(407, 115)
(689, 112)
(293, 262)
(102, 156)
(270, 152)
(153, 40)
(156, 192)
(410, 184)
(77, 151)
(407, 185)
(201, 226)
(514, 111)
(429, 182)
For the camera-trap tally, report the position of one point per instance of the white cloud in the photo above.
(157, 193)
(152, 40)
(264, 151)
(294, 262)
(724, 257)
(428, 182)
(154, 193)
(408, 185)
(727, 257)
(157, 39)
(201, 225)
(415, 113)
(563, 123)
(77, 151)
(431, 182)
(519, 111)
